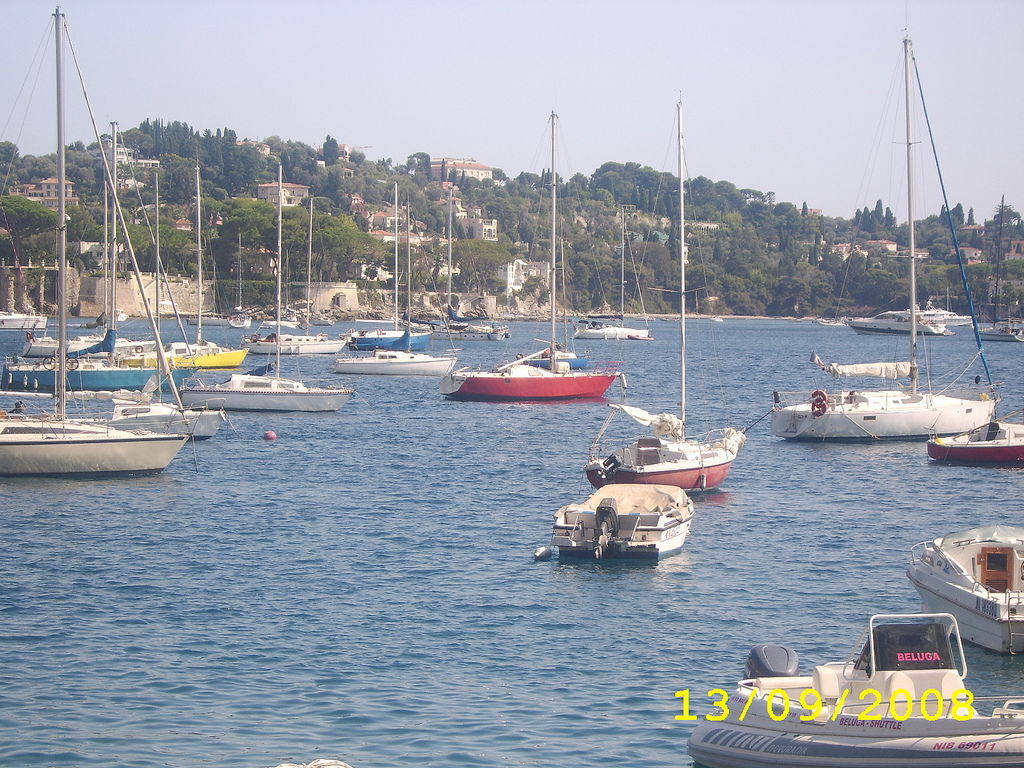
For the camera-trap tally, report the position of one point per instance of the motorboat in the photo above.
(645, 522)
(994, 443)
(670, 456)
(1003, 332)
(19, 321)
(395, 362)
(978, 576)
(900, 699)
(946, 317)
(667, 457)
(896, 322)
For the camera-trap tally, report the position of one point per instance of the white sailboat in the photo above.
(593, 329)
(55, 444)
(262, 391)
(669, 457)
(298, 343)
(399, 362)
(876, 414)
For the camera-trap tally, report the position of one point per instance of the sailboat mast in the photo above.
(408, 275)
(309, 269)
(552, 282)
(396, 255)
(199, 260)
(113, 234)
(60, 385)
(910, 221)
(682, 271)
(622, 268)
(280, 266)
(156, 243)
(450, 205)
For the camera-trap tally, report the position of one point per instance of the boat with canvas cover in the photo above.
(978, 576)
(622, 521)
(901, 699)
(669, 457)
(885, 414)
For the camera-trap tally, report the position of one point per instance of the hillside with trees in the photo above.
(748, 253)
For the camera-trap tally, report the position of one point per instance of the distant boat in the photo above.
(1003, 332)
(16, 321)
(896, 322)
(998, 442)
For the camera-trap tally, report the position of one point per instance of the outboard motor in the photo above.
(606, 526)
(768, 660)
(608, 468)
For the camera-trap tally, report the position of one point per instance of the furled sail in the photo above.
(881, 370)
(663, 424)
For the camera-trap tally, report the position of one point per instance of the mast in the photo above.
(238, 306)
(554, 230)
(408, 282)
(309, 270)
(113, 237)
(396, 255)
(60, 385)
(622, 268)
(910, 223)
(450, 246)
(682, 271)
(199, 260)
(280, 208)
(156, 242)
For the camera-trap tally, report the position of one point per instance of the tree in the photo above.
(331, 153)
(23, 218)
(479, 261)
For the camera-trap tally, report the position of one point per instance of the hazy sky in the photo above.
(799, 97)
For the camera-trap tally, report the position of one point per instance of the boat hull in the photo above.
(297, 345)
(881, 415)
(690, 479)
(435, 366)
(367, 341)
(81, 450)
(18, 322)
(999, 443)
(951, 743)
(40, 379)
(504, 388)
(614, 332)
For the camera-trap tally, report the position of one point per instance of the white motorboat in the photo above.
(395, 362)
(644, 522)
(593, 329)
(978, 576)
(886, 414)
(896, 322)
(19, 321)
(946, 317)
(899, 700)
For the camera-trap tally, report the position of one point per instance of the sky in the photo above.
(802, 98)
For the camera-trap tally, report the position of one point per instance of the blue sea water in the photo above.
(363, 588)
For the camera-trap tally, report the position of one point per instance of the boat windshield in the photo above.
(914, 642)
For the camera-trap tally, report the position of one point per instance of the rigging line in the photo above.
(35, 64)
(952, 229)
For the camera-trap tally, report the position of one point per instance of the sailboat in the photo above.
(54, 444)
(669, 457)
(518, 380)
(594, 329)
(878, 414)
(394, 337)
(399, 362)
(259, 390)
(298, 343)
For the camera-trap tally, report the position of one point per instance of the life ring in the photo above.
(71, 363)
(819, 402)
(138, 350)
(50, 363)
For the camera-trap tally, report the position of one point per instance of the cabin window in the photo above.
(996, 561)
(870, 418)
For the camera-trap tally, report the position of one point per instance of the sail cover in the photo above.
(663, 424)
(106, 344)
(882, 370)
